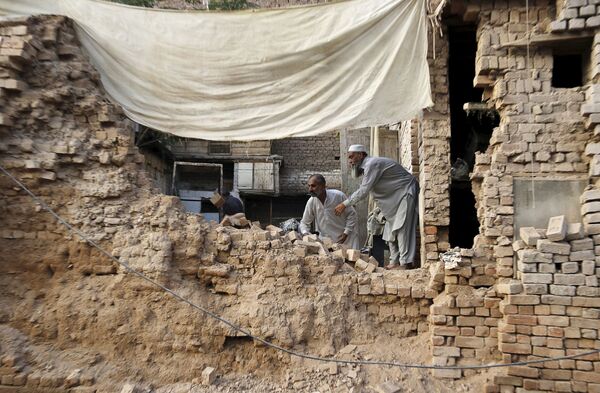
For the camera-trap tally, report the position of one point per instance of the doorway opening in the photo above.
(470, 133)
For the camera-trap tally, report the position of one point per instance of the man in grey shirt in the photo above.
(320, 211)
(396, 192)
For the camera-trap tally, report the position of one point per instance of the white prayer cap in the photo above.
(357, 148)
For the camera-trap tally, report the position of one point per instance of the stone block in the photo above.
(534, 256)
(587, 10)
(545, 245)
(582, 255)
(341, 253)
(535, 289)
(523, 300)
(509, 287)
(569, 267)
(590, 207)
(370, 268)
(582, 245)
(592, 218)
(536, 278)
(503, 251)
(131, 388)
(516, 319)
(311, 247)
(576, 24)
(469, 342)
(446, 351)
(587, 291)
(592, 22)
(546, 268)
(569, 279)
(293, 236)
(563, 290)
(557, 228)
(520, 349)
(310, 238)
(300, 251)
(558, 25)
(353, 255)
(556, 300)
(529, 235)
(575, 231)
(588, 268)
(592, 229)
(209, 374)
(361, 265)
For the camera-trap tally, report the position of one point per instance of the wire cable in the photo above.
(263, 341)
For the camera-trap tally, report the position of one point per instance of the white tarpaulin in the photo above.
(260, 74)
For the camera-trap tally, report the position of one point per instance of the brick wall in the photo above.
(546, 304)
(303, 157)
(433, 136)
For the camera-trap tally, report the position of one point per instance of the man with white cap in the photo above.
(396, 192)
(320, 211)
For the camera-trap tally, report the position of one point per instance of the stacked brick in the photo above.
(463, 328)
(576, 15)
(305, 157)
(541, 131)
(551, 310)
(433, 134)
(591, 111)
(397, 301)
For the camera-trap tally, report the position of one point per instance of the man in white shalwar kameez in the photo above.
(396, 192)
(320, 211)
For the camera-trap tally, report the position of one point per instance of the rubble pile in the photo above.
(59, 295)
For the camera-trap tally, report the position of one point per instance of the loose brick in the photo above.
(557, 228)
(529, 235)
(575, 231)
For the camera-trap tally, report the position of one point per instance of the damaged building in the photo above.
(507, 159)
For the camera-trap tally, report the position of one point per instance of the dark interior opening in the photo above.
(227, 176)
(567, 70)
(233, 341)
(274, 210)
(470, 133)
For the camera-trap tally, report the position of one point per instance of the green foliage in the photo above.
(228, 5)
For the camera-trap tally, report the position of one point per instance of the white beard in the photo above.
(356, 171)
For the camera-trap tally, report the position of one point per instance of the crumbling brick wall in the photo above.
(433, 136)
(549, 308)
(71, 146)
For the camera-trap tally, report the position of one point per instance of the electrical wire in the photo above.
(263, 341)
